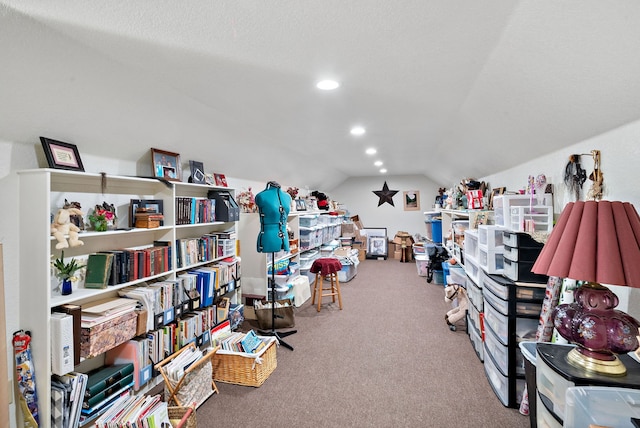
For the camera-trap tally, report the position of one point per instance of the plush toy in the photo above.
(62, 226)
(323, 200)
(451, 293)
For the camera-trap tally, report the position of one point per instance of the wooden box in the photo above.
(109, 334)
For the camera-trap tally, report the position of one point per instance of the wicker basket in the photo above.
(177, 413)
(245, 369)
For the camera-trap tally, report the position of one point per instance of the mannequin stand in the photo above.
(273, 332)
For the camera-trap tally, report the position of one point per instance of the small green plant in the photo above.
(66, 270)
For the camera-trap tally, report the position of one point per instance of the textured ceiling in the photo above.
(448, 89)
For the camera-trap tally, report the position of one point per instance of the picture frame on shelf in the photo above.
(411, 200)
(220, 180)
(197, 172)
(209, 179)
(301, 204)
(166, 165)
(153, 205)
(61, 155)
(497, 191)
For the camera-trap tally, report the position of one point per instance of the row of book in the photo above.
(67, 395)
(195, 210)
(143, 411)
(190, 251)
(120, 266)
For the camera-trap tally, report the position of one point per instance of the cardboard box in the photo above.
(397, 255)
(109, 334)
(356, 220)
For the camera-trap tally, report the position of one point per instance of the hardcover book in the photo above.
(98, 270)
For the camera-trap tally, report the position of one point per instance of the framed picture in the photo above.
(495, 192)
(154, 205)
(301, 205)
(197, 172)
(209, 179)
(61, 155)
(220, 179)
(377, 246)
(411, 200)
(166, 165)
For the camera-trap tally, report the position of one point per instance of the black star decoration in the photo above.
(385, 195)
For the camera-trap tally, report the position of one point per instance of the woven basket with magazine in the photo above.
(245, 369)
(182, 417)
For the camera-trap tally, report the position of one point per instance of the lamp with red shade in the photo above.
(595, 242)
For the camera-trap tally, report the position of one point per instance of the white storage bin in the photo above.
(552, 385)
(498, 285)
(532, 219)
(471, 243)
(544, 418)
(474, 316)
(492, 261)
(476, 340)
(526, 328)
(601, 406)
(457, 275)
(490, 236)
(499, 382)
(472, 268)
(500, 354)
(501, 305)
(502, 205)
(475, 294)
(422, 263)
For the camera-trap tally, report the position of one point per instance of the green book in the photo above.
(98, 270)
(108, 392)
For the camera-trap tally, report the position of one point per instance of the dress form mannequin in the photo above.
(274, 205)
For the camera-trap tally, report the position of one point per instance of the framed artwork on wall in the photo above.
(411, 200)
(166, 165)
(61, 155)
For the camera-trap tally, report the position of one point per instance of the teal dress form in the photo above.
(273, 205)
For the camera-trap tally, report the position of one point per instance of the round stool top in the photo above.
(326, 266)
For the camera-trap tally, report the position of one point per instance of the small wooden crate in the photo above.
(245, 369)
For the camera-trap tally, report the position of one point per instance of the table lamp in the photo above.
(595, 242)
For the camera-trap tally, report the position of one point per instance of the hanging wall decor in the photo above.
(595, 192)
(574, 176)
(385, 195)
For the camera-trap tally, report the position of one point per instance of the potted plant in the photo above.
(65, 272)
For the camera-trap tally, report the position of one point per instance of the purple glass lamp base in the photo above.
(599, 330)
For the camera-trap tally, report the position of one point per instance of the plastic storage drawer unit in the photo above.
(588, 406)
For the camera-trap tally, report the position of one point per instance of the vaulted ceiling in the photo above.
(448, 89)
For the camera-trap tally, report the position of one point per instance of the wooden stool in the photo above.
(326, 267)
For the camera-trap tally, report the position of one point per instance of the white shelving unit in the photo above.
(42, 192)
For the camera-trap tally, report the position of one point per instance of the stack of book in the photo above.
(67, 394)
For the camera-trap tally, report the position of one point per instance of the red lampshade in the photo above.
(595, 241)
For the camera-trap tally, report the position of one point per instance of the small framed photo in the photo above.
(497, 191)
(301, 204)
(411, 200)
(208, 179)
(197, 172)
(221, 180)
(166, 165)
(61, 155)
(155, 206)
(377, 246)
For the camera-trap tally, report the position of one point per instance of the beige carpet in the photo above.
(386, 360)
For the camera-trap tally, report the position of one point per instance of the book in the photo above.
(251, 343)
(103, 377)
(98, 270)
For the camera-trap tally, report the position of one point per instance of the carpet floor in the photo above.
(387, 359)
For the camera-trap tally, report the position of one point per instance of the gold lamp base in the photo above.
(592, 365)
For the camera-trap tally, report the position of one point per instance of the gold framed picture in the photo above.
(411, 200)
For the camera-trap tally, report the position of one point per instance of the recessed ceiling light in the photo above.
(371, 151)
(357, 130)
(377, 163)
(327, 85)
(383, 170)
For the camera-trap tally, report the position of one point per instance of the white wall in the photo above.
(620, 154)
(356, 194)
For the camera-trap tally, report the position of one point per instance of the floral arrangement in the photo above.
(293, 192)
(102, 217)
(247, 201)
